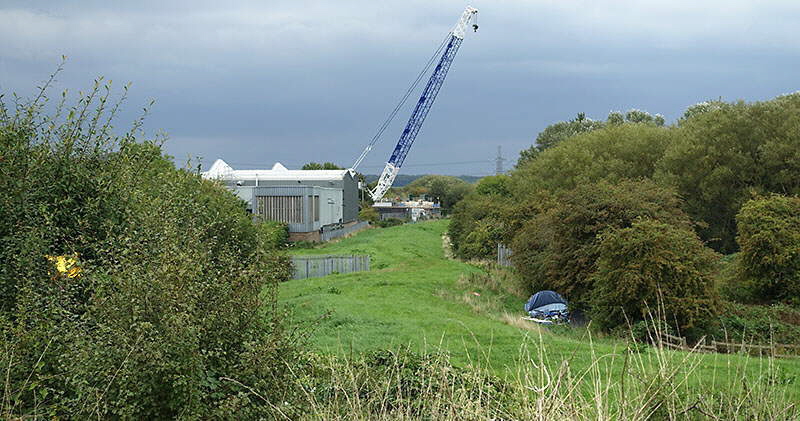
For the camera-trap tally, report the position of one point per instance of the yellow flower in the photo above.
(66, 265)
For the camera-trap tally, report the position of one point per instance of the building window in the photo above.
(288, 209)
(316, 208)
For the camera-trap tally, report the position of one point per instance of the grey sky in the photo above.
(297, 81)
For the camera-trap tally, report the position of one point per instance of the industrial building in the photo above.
(311, 202)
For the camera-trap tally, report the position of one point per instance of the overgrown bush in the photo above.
(173, 313)
(559, 247)
(478, 222)
(658, 271)
(769, 236)
(369, 214)
(274, 234)
(477, 226)
(390, 222)
(757, 324)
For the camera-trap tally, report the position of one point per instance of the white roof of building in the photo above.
(222, 171)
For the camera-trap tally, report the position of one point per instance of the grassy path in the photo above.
(412, 297)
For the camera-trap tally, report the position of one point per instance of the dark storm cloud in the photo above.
(294, 81)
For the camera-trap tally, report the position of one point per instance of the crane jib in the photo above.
(422, 108)
(425, 102)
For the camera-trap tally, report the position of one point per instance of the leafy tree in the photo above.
(557, 248)
(643, 117)
(448, 190)
(723, 154)
(654, 269)
(616, 152)
(318, 166)
(494, 185)
(769, 236)
(555, 134)
(703, 107)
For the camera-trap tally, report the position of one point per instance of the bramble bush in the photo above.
(390, 222)
(174, 313)
(759, 324)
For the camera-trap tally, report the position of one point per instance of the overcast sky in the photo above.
(297, 81)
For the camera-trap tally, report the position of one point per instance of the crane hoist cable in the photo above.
(424, 104)
(382, 128)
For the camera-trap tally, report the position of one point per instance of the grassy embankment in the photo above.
(414, 296)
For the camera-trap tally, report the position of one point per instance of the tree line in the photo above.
(630, 215)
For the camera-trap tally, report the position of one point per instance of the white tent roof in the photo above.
(222, 171)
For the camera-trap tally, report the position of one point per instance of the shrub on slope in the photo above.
(658, 270)
(165, 318)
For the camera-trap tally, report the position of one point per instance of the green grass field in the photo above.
(413, 297)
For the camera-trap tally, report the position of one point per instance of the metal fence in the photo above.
(503, 255)
(340, 232)
(317, 266)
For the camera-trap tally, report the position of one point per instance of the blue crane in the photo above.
(453, 42)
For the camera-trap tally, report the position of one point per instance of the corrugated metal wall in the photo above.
(303, 208)
(288, 204)
(288, 209)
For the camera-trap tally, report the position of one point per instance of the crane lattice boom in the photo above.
(423, 106)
